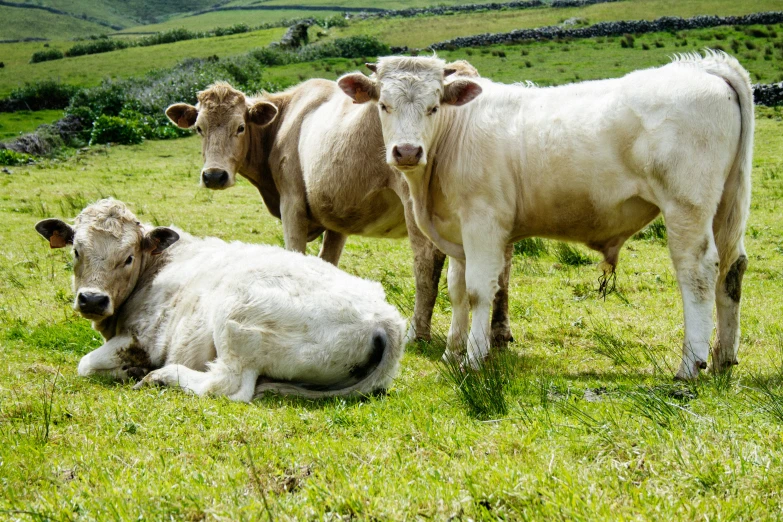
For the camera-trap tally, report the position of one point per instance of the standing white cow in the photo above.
(592, 162)
(223, 318)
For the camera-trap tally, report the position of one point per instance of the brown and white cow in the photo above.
(318, 161)
(591, 162)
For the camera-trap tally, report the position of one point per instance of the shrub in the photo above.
(170, 36)
(627, 41)
(100, 45)
(750, 45)
(10, 157)
(46, 94)
(234, 29)
(47, 55)
(645, 47)
(113, 129)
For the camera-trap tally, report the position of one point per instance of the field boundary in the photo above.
(617, 28)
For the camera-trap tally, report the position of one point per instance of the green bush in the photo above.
(100, 45)
(10, 157)
(46, 55)
(46, 94)
(113, 129)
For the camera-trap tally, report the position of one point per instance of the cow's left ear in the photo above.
(460, 92)
(359, 87)
(158, 239)
(262, 113)
(58, 232)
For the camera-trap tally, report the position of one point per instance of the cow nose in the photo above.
(407, 155)
(214, 178)
(92, 303)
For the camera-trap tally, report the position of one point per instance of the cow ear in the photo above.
(262, 113)
(448, 72)
(182, 115)
(158, 239)
(460, 92)
(373, 67)
(359, 87)
(59, 233)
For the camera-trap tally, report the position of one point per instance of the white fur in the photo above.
(216, 316)
(591, 162)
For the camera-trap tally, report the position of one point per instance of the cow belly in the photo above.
(378, 215)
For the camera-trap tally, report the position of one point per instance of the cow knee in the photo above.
(733, 282)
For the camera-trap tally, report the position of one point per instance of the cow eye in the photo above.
(241, 129)
(433, 111)
(383, 107)
(129, 260)
(198, 129)
(75, 253)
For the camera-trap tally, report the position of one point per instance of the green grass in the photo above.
(89, 70)
(209, 21)
(425, 30)
(13, 124)
(22, 23)
(556, 63)
(593, 427)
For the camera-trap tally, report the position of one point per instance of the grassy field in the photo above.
(208, 21)
(22, 23)
(13, 124)
(90, 69)
(422, 31)
(555, 63)
(593, 431)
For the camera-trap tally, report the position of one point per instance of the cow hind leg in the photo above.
(695, 257)
(501, 327)
(427, 267)
(332, 247)
(727, 297)
(233, 373)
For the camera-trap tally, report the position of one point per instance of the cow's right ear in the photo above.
(359, 87)
(182, 115)
(58, 232)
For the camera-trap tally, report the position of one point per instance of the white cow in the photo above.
(592, 162)
(223, 318)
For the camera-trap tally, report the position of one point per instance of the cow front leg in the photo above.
(460, 310)
(501, 327)
(332, 247)
(695, 258)
(485, 246)
(119, 358)
(293, 213)
(427, 267)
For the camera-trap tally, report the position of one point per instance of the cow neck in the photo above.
(257, 167)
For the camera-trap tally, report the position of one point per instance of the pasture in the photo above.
(594, 427)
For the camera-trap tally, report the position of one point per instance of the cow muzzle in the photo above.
(93, 304)
(215, 179)
(406, 155)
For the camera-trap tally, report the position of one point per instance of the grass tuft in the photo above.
(570, 255)
(655, 231)
(531, 247)
(483, 389)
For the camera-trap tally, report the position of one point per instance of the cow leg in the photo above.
(332, 247)
(233, 373)
(501, 327)
(110, 359)
(293, 213)
(485, 246)
(695, 257)
(427, 267)
(460, 309)
(727, 296)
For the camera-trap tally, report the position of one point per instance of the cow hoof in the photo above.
(688, 374)
(502, 339)
(723, 366)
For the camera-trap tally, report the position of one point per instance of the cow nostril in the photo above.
(419, 152)
(223, 178)
(396, 152)
(82, 299)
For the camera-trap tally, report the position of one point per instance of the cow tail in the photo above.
(731, 218)
(375, 376)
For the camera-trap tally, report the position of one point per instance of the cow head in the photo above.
(409, 93)
(223, 118)
(110, 250)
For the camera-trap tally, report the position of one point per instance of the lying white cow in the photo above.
(216, 317)
(592, 162)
